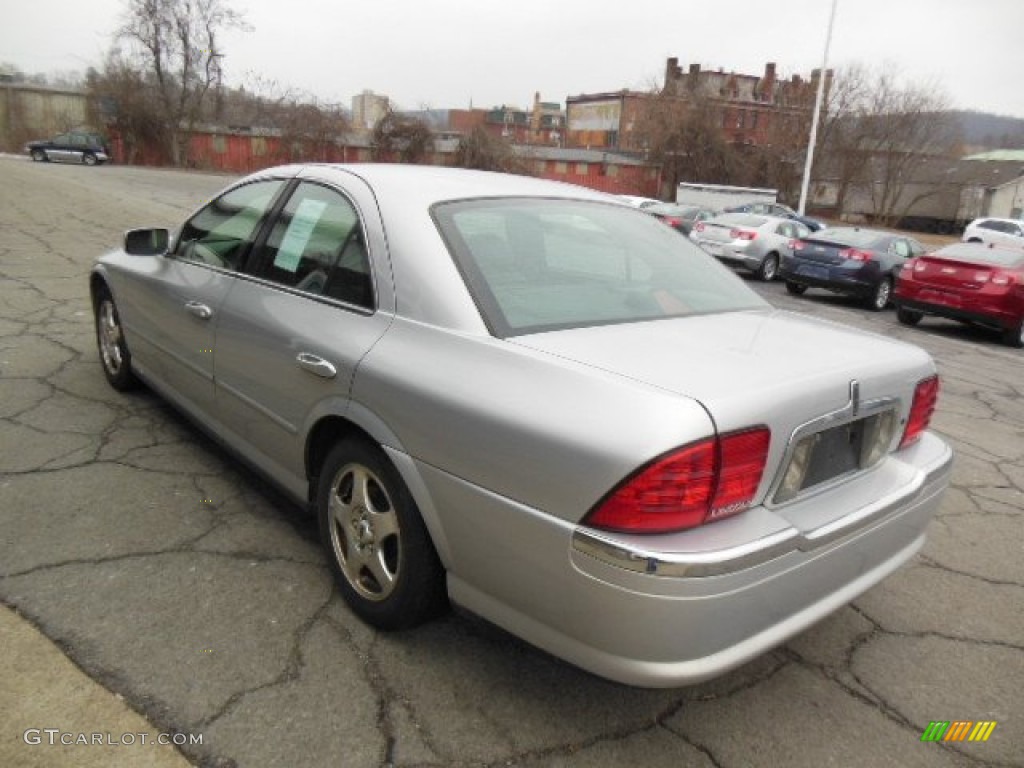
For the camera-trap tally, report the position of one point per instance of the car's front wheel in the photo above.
(879, 299)
(114, 355)
(769, 267)
(908, 316)
(38, 155)
(796, 289)
(379, 549)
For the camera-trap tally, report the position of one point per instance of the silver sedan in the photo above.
(530, 400)
(749, 241)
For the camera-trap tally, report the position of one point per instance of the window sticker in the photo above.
(299, 231)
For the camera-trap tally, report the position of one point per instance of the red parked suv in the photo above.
(970, 282)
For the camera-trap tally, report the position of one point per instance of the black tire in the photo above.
(378, 548)
(115, 358)
(89, 158)
(1014, 337)
(796, 289)
(769, 268)
(974, 240)
(908, 316)
(879, 299)
(38, 156)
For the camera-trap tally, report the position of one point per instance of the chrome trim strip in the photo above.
(852, 411)
(734, 559)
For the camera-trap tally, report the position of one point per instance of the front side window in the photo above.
(317, 246)
(535, 265)
(221, 234)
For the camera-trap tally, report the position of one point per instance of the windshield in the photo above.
(535, 265)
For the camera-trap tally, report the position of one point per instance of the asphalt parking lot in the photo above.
(187, 587)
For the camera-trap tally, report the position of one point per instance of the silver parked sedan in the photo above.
(749, 241)
(531, 400)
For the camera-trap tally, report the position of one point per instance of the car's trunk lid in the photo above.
(752, 367)
(951, 273)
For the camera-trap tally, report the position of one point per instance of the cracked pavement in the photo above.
(186, 585)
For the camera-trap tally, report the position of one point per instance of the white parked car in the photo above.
(639, 202)
(991, 230)
(751, 242)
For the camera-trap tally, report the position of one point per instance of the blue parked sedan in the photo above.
(851, 261)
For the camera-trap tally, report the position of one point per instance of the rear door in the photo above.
(293, 332)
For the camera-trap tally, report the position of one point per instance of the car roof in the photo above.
(996, 218)
(426, 185)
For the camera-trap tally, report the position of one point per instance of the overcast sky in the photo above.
(449, 53)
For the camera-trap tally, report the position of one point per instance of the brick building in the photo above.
(753, 109)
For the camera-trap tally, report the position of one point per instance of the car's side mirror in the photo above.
(146, 242)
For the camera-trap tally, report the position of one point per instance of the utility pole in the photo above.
(809, 161)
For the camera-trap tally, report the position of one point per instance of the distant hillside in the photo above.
(988, 130)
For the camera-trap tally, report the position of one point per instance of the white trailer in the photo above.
(721, 196)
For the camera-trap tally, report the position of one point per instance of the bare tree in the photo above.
(878, 137)
(401, 137)
(177, 44)
(483, 151)
(685, 136)
(309, 130)
(120, 99)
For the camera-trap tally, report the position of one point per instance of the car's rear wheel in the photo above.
(908, 316)
(379, 550)
(38, 155)
(769, 267)
(89, 158)
(796, 289)
(879, 299)
(1014, 337)
(114, 355)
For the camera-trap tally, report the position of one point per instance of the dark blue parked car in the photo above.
(849, 260)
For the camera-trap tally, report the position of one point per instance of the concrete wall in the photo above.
(1007, 201)
(30, 112)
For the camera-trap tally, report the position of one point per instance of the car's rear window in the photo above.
(534, 265)
(739, 220)
(850, 236)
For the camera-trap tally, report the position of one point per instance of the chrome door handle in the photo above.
(316, 365)
(199, 309)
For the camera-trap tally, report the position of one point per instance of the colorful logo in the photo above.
(958, 730)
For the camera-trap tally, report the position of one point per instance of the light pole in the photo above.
(809, 161)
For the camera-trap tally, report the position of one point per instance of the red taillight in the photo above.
(854, 254)
(743, 456)
(672, 221)
(701, 482)
(742, 234)
(699, 226)
(797, 245)
(925, 396)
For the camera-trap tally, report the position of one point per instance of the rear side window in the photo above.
(221, 234)
(317, 246)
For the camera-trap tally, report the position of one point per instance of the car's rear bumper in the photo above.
(992, 318)
(661, 616)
